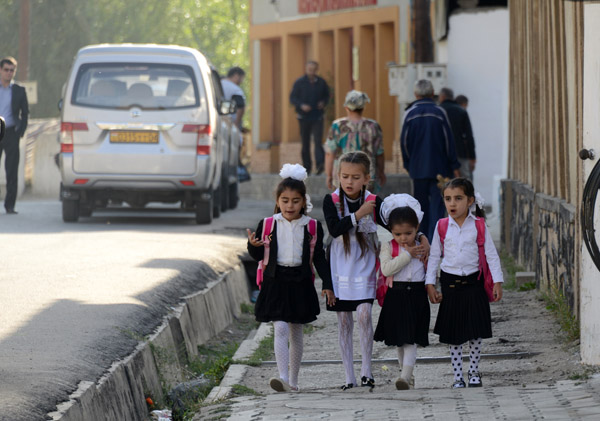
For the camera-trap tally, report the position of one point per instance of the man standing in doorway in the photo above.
(310, 95)
(462, 132)
(15, 110)
(428, 152)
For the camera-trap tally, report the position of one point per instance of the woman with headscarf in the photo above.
(355, 133)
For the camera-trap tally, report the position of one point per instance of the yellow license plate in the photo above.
(133, 137)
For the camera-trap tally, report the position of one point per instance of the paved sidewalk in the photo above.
(524, 388)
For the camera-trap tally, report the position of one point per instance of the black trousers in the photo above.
(314, 128)
(9, 145)
(427, 192)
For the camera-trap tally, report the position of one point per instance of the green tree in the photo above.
(59, 28)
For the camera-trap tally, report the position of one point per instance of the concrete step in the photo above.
(262, 187)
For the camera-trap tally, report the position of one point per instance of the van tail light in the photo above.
(66, 135)
(203, 139)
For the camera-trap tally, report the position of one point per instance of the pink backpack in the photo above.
(484, 269)
(266, 238)
(381, 279)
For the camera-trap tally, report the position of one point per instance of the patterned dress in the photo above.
(348, 136)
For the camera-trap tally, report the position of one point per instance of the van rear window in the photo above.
(144, 85)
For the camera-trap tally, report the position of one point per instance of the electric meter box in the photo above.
(402, 78)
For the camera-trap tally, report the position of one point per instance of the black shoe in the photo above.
(366, 381)
(347, 386)
(320, 170)
(459, 384)
(11, 212)
(475, 379)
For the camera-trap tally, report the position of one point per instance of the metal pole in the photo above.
(424, 360)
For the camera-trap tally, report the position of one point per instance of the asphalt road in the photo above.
(74, 298)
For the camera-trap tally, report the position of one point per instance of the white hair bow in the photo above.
(295, 171)
(394, 201)
(478, 201)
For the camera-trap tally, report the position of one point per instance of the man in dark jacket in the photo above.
(309, 96)
(462, 132)
(15, 110)
(428, 152)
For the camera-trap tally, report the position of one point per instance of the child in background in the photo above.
(463, 245)
(288, 297)
(404, 318)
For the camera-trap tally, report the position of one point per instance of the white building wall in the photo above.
(477, 53)
(590, 277)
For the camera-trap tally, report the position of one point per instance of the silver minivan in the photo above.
(146, 123)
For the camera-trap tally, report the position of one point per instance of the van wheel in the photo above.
(204, 212)
(233, 193)
(70, 210)
(217, 202)
(224, 192)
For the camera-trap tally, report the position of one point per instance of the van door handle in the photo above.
(587, 154)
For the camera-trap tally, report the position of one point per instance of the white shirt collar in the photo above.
(303, 220)
(470, 215)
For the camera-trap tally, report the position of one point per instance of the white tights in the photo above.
(292, 357)
(345, 330)
(407, 355)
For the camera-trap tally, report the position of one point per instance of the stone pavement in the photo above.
(515, 387)
(523, 388)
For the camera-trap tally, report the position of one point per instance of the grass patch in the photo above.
(528, 286)
(247, 308)
(213, 361)
(588, 371)
(556, 302)
(262, 353)
(241, 390)
(511, 267)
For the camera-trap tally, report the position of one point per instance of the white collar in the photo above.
(303, 220)
(470, 215)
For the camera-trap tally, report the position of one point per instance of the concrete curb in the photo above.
(236, 372)
(121, 393)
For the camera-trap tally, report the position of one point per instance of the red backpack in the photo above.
(266, 238)
(484, 269)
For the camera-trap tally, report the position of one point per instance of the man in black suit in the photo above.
(15, 110)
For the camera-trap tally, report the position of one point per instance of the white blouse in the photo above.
(461, 253)
(403, 267)
(290, 239)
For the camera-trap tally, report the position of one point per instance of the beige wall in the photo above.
(373, 34)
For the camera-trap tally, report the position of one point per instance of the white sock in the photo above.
(345, 328)
(280, 342)
(365, 325)
(474, 355)
(296, 348)
(410, 354)
(456, 359)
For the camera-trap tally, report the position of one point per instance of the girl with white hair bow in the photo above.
(287, 245)
(404, 318)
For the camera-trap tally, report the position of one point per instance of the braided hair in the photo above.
(359, 158)
(467, 187)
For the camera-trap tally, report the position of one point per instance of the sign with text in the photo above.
(317, 6)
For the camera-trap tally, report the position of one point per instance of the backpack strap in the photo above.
(442, 230)
(312, 230)
(266, 238)
(370, 198)
(395, 248)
